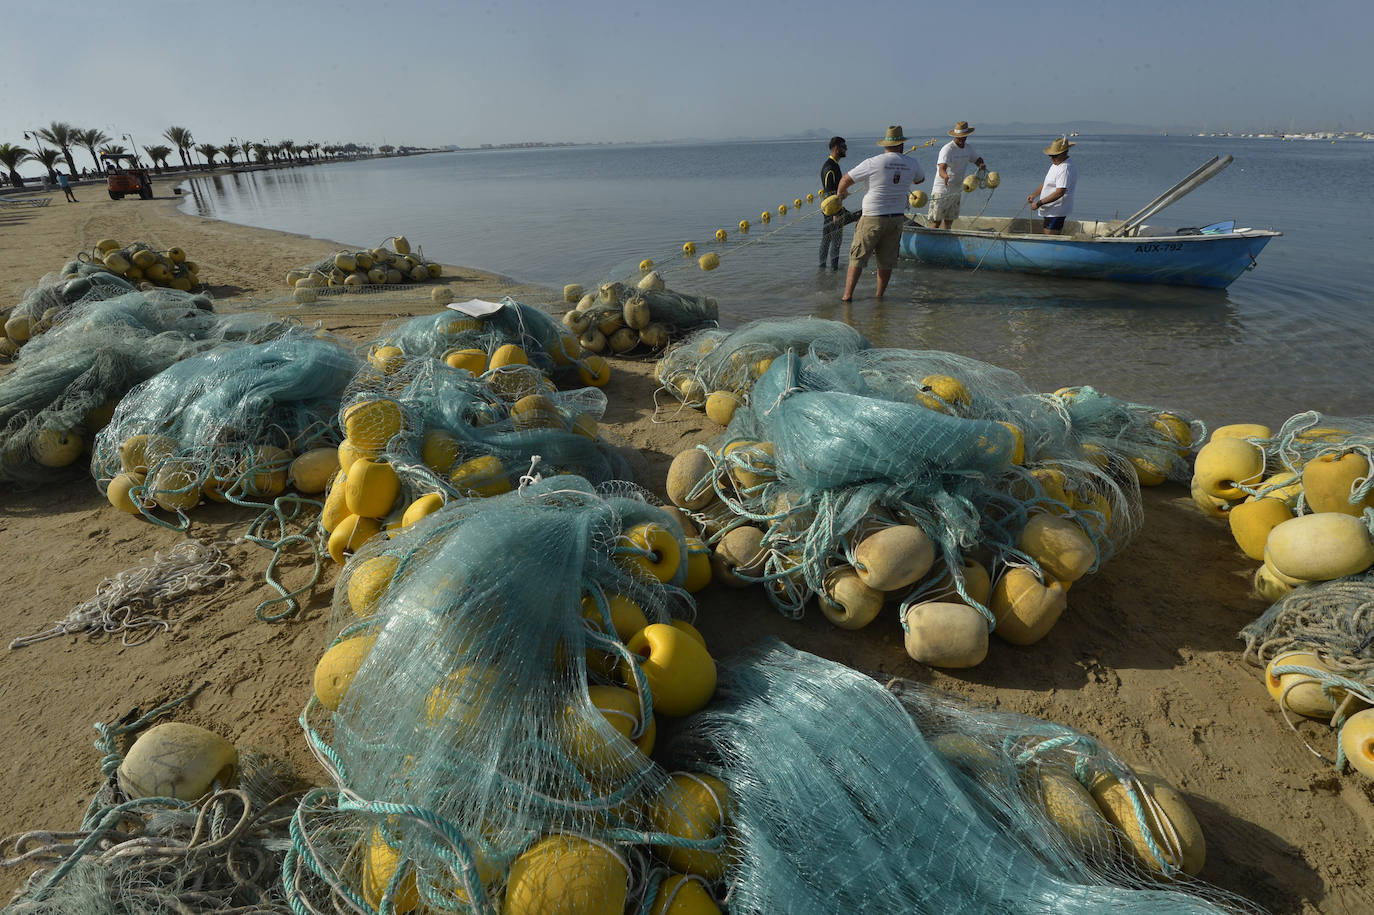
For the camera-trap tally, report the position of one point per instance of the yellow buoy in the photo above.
(567, 874)
(596, 371)
(1224, 464)
(970, 184)
(371, 424)
(689, 248)
(1026, 609)
(765, 216)
(311, 472)
(1175, 836)
(1058, 545)
(138, 453)
(683, 894)
(572, 292)
(483, 476)
(508, 354)
(796, 204)
(469, 360)
(178, 760)
(646, 265)
(400, 244)
(994, 179)
(338, 666)
(1299, 692)
(721, 406)
(721, 235)
(680, 672)
(692, 805)
(439, 450)
(847, 602)
(427, 504)
(831, 205)
(743, 227)
(894, 557)
(371, 488)
(119, 492)
(946, 634)
(650, 548)
(349, 535)
(1329, 480)
(368, 581)
(1320, 547)
(55, 448)
(708, 261)
(698, 565)
(1357, 742)
(1251, 522)
(782, 209)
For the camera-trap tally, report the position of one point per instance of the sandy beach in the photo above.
(1146, 657)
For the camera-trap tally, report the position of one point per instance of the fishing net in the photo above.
(225, 424)
(356, 270)
(154, 855)
(844, 796)
(620, 318)
(1155, 443)
(68, 380)
(488, 705)
(421, 433)
(731, 361)
(542, 342)
(949, 450)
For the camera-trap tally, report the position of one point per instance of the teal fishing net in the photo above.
(486, 695)
(67, 381)
(1154, 442)
(845, 796)
(444, 431)
(826, 452)
(224, 424)
(620, 318)
(720, 360)
(546, 345)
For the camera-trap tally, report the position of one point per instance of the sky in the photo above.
(436, 73)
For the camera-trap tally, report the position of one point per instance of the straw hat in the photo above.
(1058, 147)
(894, 136)
(961, 129)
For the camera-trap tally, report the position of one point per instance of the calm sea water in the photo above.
(1293, 335)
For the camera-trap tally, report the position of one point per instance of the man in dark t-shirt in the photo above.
(832, 227)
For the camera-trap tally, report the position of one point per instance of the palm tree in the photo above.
(288, 147)
(181, 138)
(159, 156)
(61, 135)
(260, 151)
(91, 140)
(246, 147)
(115, 149)
(209, 151)
(49, 159)
(230, 151)
(12, 157)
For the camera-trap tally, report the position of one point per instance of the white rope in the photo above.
(125, 602)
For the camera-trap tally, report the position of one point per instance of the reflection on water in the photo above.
(1290, 336)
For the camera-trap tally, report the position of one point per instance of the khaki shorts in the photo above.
(878, 236)
(944, 206)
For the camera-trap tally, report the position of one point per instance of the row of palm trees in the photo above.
(64, 136)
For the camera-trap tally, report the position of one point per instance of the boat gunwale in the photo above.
(995, 235)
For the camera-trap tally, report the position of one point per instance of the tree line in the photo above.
(62, 137)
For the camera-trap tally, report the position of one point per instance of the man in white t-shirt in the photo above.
(879, 231)
(1053, 199)
(946, 190)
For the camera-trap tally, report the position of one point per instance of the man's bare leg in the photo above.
(883, 277)
(851, 279)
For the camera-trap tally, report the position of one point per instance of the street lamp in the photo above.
(130, 138)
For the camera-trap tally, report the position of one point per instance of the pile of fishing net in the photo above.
(224, 425)
(107, 339)
(619, 318)
(379, 266)
(1300, 500)
(183, 823)
(489, 712)
(1157, 444)
(419, 432)
(139, 262)
(920, 476)
(716, 369)
(485, 337)
(1316, 646)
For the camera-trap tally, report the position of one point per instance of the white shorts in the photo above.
(944, 206)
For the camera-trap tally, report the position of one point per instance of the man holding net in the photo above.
(953, 162)
(879, 231)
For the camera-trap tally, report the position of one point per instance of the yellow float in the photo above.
(679, 670)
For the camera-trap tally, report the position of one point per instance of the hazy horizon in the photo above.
(432, 74)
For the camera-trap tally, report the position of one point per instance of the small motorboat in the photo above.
(1125, 250)
(1211, 256)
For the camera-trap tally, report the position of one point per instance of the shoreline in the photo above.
(1146, 657)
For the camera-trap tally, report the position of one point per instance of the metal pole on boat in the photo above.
(1207, 171)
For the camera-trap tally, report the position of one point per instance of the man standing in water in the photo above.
(879, 232)
(832, 227)
(1053, 199)
(945, 191)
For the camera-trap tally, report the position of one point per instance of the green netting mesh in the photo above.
(826, 452)
(720, 360)
(478, 712)
(546, 345)
(619, 318)
(1156, 443)
(225, 424)
(67, 380)
(848, 797)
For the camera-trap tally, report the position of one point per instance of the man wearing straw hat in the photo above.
(879, 231)
(1053, 199)
(953, 162)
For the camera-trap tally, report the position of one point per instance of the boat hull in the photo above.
(1211, 261)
